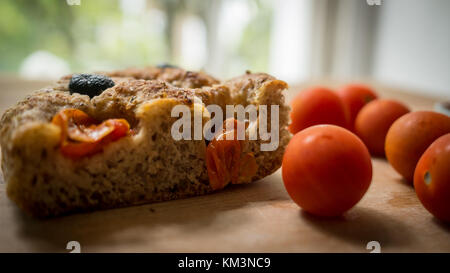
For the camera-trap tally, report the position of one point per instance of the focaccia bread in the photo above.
(145, 164)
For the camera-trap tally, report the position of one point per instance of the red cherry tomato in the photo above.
(355, 96)
(326, 170)
(409, 137)
(374, 121)
(432, 178)
(315, 106)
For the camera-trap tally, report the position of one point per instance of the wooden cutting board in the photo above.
(259, 217)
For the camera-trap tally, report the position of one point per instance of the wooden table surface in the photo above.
(259, 217)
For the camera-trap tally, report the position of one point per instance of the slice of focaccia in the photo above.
(66, 152)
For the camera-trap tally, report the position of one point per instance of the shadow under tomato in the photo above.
(403, 181)
(362, 225)
(379, 157)
(442, 224)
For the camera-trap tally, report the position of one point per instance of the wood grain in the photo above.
(259, 217)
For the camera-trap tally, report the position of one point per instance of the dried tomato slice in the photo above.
(224, 160)
(81, 135)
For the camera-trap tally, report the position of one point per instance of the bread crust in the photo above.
(173, 75)
(148, 166)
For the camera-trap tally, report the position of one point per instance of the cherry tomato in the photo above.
(315, 106)
(326, 170)
(355, 96)
(409, 137)
(432, 178)
(374, 121)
